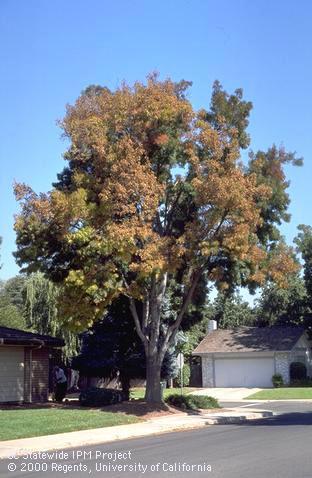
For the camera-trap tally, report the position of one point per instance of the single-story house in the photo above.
(250, 356)
(24, 365)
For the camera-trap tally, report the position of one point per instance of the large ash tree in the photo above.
(154, 200)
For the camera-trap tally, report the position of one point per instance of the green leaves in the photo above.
(269, 170)
(231, 110)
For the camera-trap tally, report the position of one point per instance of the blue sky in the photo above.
(50, 51)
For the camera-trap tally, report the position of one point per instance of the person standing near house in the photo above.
(60, 384)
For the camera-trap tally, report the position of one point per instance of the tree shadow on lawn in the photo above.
(138, 408)
(284, 419)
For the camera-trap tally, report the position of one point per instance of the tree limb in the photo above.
(146, 311)
(170, 213)
(135, 316)
(137, 322)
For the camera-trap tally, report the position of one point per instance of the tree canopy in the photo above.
(153, 192)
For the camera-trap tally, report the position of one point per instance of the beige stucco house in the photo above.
(249, 356)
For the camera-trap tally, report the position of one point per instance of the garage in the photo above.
(244, 372)
(11, 374)
(24, 365)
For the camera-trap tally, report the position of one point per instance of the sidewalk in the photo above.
(154, 426)
(229, 394)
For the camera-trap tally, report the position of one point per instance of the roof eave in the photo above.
(30, 343)
(240, 352)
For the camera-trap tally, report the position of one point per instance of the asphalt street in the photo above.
(279, 446)
(276, 407)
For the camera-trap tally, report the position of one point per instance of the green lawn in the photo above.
(35, 422)
(23, 423)
(139, 392)
(282, 393)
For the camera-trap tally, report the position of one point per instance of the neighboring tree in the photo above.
(112, 349)
(10, 315)
(231, 311)
(30, 303)
(40, 303)
(14, 290)
(304, 247)
(41, 312)
(193, 336)
(122, 221)
(283, 306)
(11, 303)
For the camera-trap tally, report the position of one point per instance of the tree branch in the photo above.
(146, 309)
(223, 218)
(158, 225)
(154, 315)
(135, 316)
(137, 322)
(172, 329)
(168, 218)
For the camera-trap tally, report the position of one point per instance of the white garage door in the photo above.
(255, 372)
(11, 374)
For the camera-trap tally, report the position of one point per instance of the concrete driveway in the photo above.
(227, 394)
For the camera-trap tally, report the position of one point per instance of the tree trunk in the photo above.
(125, 385)
(153, 389)
(148, 329)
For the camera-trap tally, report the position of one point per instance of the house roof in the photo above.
(20, 337)
(250, 339)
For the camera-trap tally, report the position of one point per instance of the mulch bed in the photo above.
(139, 408)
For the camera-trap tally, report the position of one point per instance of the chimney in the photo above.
(212, 325)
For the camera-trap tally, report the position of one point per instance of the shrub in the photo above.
(277, 380)
(177, 400)
(186, 374)
(201, 401)
(100, 397)
(192, 402)
(298, 371)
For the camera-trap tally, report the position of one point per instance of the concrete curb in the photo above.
(123, 432)
(240, 419)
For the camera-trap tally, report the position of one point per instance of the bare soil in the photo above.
(139, 408)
